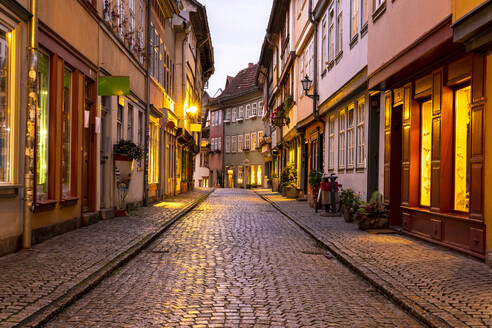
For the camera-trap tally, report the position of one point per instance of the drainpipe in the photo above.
(147, 109)
(32, 101)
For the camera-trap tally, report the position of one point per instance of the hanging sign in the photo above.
(113, 85)
(196, 127)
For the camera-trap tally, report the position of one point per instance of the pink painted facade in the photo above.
(409, 21)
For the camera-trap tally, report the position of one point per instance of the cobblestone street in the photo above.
(234, 261)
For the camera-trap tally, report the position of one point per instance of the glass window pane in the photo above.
(462, 139)
(42, 133)
(425, 154)
(66, 131)
(4, 110)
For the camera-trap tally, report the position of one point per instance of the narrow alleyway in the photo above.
(233, 261)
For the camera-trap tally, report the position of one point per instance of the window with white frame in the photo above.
(248, 111)
(253, 141)
(141, 21)
(350, 136)
(331, 142)
(302, 73)
(247, 141)
(234, 114)
(120, 9)
(240, 143)
(156, 54)
(324, 44)
(339, 26)
(342, 138)
(364, 12)
(310, 63)
(219, 120)
(219, 144)
(240, 113)
(152, 37)
(227, 144)
(131, 23)
(129, 123)
(260, 109)
(331, 35)
(361, 136)
(254, 109)
(354, 27)
(234, 144)
(228, 114)
(377, 4)
(260, 136)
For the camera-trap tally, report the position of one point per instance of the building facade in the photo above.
(432, 96)
(243, 128)
(15, 40)
(70, 124)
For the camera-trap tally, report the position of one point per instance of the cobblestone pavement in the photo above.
(32, 280)
(454, 289)
(234, 261)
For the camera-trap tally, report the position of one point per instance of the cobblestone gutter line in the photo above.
(42, 316)
(380, 284)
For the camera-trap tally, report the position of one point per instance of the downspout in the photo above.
(30, 130)
(147, 110)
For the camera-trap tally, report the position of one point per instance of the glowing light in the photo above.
(192, 109)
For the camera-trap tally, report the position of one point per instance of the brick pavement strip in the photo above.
(234, 261)
(440, 287)
(37, 284)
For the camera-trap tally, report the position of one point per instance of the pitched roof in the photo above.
(243, 82)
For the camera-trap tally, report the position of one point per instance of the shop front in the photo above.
(434, 154)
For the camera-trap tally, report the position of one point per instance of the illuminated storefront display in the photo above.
(425, 154)
(153, 150)
(259, 179)
(5, 112)
(462, 139)
(42, 128)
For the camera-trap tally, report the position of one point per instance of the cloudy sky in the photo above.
(238, 28)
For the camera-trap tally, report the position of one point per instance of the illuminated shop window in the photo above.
(462, 139)
(66, 131)
(5, 109)
(253, 175)
(259, 173)
(240, 174)
(425, 154)
(153, 150)
(42, 128)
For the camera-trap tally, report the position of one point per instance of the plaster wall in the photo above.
(400, 25)
(68, 18)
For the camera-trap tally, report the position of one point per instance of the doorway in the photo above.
(104, 148)
(88, 167)
(395, 166)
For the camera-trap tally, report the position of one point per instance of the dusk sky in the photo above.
(237, 28)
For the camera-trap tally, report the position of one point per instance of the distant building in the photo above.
(241, 109)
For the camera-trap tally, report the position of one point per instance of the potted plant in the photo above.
(314, 182)
(372, 215)
(275, 182)
(125, 153)
(350, 203)
(289, 181)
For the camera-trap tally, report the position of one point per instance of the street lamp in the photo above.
(306, 85)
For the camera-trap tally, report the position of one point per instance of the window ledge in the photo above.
(69, 201)
(10, 186)
(331, 64)
(9, 190)
(378, 12)
(363, 30)
(323, 74)
(339, 56)
(354, 41)
(45, 205)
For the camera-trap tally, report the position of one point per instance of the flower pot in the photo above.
(275, 182)
(348, 216)
(379, 222)
(291, 193)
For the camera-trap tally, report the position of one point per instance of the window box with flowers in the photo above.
(280, 114)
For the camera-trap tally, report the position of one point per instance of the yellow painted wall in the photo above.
(488, 163)
(461, 7)
(68, 18)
